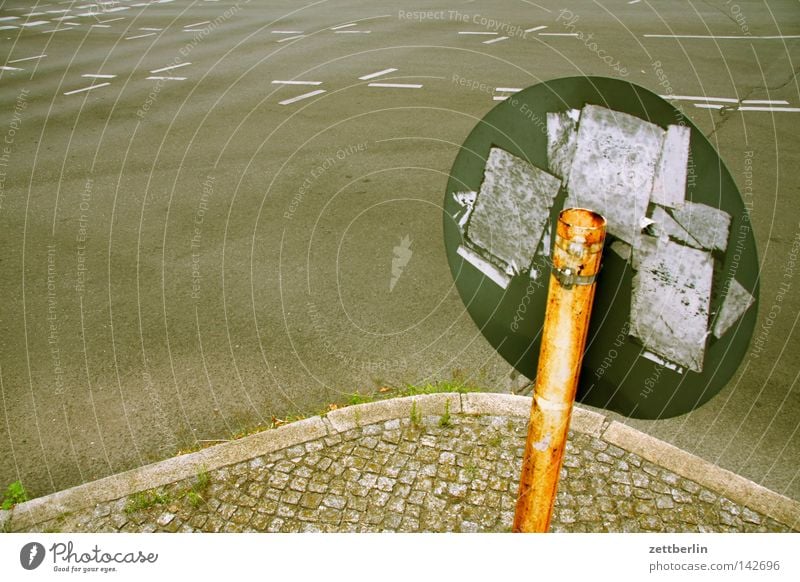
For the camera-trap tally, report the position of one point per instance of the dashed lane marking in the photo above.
(170, 67)
(377, 74)
(301, 97)
(89, 88)
(396, 85)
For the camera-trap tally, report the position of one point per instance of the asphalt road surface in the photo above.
(200, 203)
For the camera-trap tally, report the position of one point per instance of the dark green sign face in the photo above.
(646, 356)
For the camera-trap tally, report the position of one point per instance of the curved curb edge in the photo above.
(735, 487)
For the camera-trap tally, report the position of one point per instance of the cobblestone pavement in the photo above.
(442, 474)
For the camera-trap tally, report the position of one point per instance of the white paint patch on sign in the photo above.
(511, 210)
(737, 301)
(669, 185)
(664, 226)
(562, 137)
(708, 226)
(670, 300)
(484, 266)
(613, 168)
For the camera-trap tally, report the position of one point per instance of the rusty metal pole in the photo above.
(576, 259)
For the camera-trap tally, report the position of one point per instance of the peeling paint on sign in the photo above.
(708, 225)
(670, 300)
(511, 211)
(613, 168)
(669, 186)
(737, 301)
(562, 137)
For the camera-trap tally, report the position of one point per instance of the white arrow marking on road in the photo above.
(378, 74)
(27, 59)
(170, 67)
(494, 40)
(89, 88)
(301, 97)
(396, 85)
(297, 82)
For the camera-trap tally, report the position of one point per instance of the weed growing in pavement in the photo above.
(416, 415)
(15, 494)
(145, 500)
(445, 420)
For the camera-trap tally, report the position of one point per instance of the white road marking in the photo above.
(292, 37)
(27, 59)
(500, 97)
(396, 85)
(71, 23)
(197, 24)
(746, 108)
(167, 78)
(508, 89)
(634, 1)
(758, 101)
(494, 40)
(378, 74)
(140, 36)
(301, 97)
(155, 29)
(2, 68)
(343, 26)
(790, 109)
(99, 26)
(89, 88)
(67, 17)
(695, 98)
(352, 32)
(5, 18)
(297, 82)
(117, 9)
(97, 76)
(112, 20)
(34, 23)
(738, 37)
(286, 31)
(170, 67)
(558, 34)
(8, 27)
(477, 32)
(535, 28)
